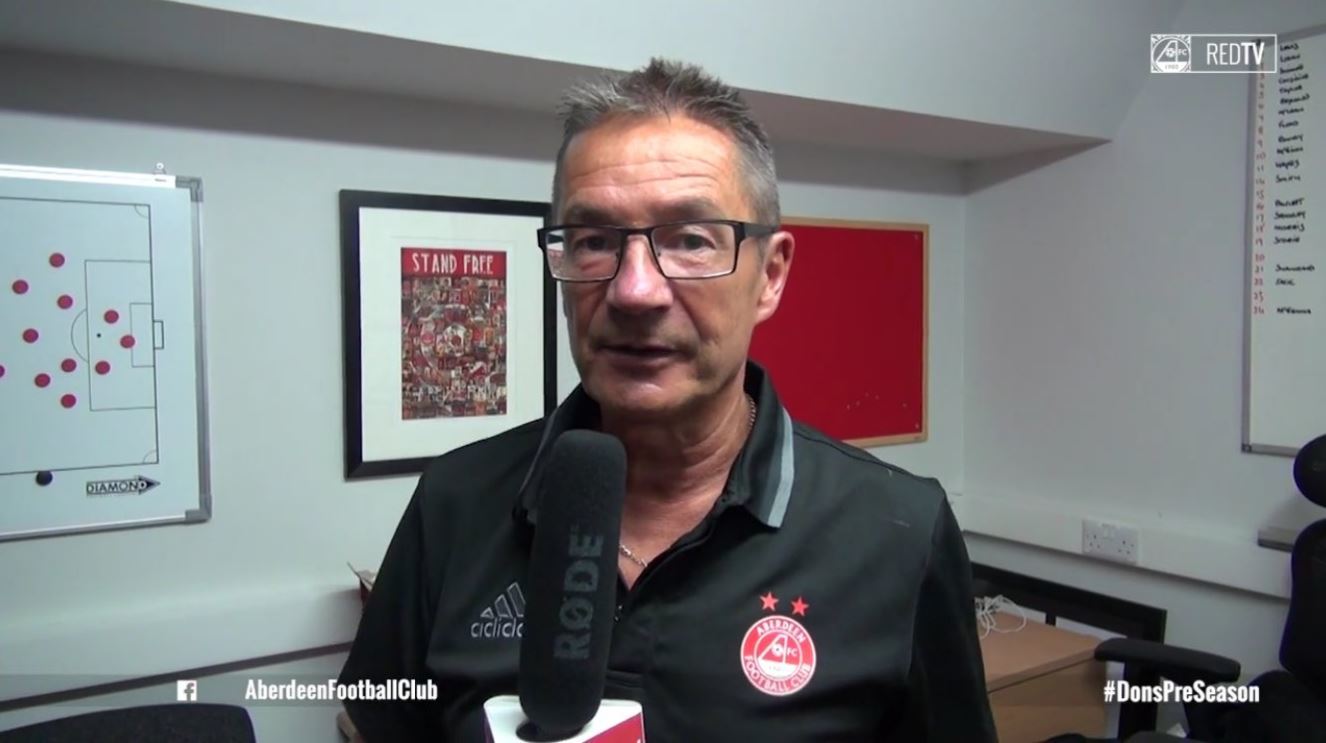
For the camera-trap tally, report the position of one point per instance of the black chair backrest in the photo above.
(1310, 470)
(180, 723)
(1303, 645)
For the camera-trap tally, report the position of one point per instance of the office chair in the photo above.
(177, 723)
(1293, 699)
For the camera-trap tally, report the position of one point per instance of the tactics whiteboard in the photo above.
(101, 366)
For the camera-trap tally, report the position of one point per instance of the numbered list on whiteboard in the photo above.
(1288, 256)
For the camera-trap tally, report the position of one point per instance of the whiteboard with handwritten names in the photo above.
(1285, 374)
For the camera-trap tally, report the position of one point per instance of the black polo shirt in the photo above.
(825, 597)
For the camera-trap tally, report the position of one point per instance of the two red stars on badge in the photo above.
(770, 603)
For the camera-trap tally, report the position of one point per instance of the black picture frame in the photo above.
(365, 245)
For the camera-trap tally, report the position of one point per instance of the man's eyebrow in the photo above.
(584, 214)
(697, 208)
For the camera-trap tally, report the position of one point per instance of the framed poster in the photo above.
(449, 325)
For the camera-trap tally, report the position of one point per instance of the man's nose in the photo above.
(639, 286)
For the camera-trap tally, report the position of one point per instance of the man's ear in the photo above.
(775, 267)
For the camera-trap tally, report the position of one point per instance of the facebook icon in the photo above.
(186, 691)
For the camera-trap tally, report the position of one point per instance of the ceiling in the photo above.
(925, 108)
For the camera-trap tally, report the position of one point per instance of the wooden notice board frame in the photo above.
(848, 347)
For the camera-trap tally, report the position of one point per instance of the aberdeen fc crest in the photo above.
(777, 653)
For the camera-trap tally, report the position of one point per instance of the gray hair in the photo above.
(668, 87)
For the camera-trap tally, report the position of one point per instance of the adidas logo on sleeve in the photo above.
(504, 618)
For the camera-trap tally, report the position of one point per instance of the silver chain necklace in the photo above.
(627, 552)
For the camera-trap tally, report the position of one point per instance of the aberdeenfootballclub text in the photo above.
(386, 691)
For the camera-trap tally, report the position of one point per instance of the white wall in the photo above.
(267, 574)
(1104, 361)
(975, 56)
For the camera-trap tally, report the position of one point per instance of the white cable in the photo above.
(988, 609)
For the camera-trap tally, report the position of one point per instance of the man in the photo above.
(774, 584)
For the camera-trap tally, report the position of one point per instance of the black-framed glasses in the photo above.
(692, 249)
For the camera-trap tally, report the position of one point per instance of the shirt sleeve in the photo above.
(392, 641)
(947, 700)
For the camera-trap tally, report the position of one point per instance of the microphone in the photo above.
(572, 585)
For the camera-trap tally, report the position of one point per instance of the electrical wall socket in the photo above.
(1109, 541)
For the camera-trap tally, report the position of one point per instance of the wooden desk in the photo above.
(1043, 681)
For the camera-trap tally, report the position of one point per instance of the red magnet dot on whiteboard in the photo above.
(65, 301)
(30, 335)
(127, 341)
(111, 316)
(68, 401)
(42, 380)
(103, 367)
(57, 259)
(2, 370)
(20, 287)
(69, 365)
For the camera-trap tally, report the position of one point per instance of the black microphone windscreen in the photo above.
(572, 583)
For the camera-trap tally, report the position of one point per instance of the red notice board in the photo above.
(846, 349)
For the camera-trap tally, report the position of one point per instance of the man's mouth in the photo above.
(639, 351)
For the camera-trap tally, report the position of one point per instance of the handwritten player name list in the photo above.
(1286, 291)
(1287, 254)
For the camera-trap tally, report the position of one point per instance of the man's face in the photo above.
(644, 344)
